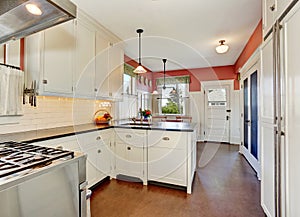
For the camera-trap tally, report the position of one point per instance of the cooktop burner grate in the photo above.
(16, 156)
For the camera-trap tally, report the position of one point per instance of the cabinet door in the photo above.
(13, 53)
(167, 157)
(101, 77)
(33, 61)
(85, 60)
(116, 70)
(129, 152)
(269, 9)
(266, 83)
(129, 160)
(58, 59)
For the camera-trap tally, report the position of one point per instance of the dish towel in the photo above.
(11, 90)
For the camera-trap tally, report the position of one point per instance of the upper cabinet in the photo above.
(85, 59)
(272, 10)
(13, 53)
(49, 60)
(77, 58)
(58, 59)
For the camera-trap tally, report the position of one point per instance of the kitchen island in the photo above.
(157, 153)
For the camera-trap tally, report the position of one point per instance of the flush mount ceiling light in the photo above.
(33, 9)
(222, 48)
(140, 69)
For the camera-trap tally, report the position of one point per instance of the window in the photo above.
(216, 97)
(129, 80)
(174, 98)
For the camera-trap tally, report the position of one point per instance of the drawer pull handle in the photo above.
(98, 138)
(99, 151)
(166, 138)
(128, 148)
(128, 136)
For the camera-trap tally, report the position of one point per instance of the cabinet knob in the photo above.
(98, 138)
(128, 136)
(272, 8)
(128, 148)
(99, 151)
(166, 138)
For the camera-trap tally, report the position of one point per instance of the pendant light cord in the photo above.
(140, 48)
(164, 61)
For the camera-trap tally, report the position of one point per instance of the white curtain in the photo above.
(11, 89)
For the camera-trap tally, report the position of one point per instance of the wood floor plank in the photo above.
(225, 187)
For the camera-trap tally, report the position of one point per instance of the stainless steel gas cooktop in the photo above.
(16, 157)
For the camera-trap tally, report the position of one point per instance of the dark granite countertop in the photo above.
(53, 133)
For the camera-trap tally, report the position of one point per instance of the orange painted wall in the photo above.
(202, 74)
(148, 75)
(253, 43)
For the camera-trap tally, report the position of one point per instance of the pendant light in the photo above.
(222, 48)
(164, 61)
(140, 69)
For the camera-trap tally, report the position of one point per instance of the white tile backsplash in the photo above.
(53, 112)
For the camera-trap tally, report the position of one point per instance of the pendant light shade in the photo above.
(164, 61)
(140, 69)
(222, 48)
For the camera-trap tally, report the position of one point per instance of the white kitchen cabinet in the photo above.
(130, 153)
(116, 70)
(97, 146)
(13, 53)
(49, 60)
(167, 152)
(102, 67)
(2, 53)
(58, 59)
(272, 10)
(85, 59)
(172, 157)
(267, 129)
(67, 143)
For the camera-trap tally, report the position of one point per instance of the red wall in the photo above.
(253, 43)
(212, 73)
(201, 74)
(148, 75)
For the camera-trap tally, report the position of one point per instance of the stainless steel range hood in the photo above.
(19, 18)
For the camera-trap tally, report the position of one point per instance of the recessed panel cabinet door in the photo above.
(102, 76)
(85, 60)
(58, 64)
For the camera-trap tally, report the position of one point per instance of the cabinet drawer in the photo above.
(132, 137)
(92, 138)
(167, 139)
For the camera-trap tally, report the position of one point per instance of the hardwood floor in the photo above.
(224, 186)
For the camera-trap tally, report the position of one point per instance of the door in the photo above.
(217, 112)
(250, 145)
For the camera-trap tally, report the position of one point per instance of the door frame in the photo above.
(229, 84)
(253, 64)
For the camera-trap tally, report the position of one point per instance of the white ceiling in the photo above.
(185, 32)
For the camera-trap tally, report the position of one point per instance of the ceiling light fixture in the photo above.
(33, 9)
(222, 48)
(140, 69)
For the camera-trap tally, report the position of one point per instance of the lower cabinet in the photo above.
(167, 157)
(97, 146)
(130, 153)
(172, 157)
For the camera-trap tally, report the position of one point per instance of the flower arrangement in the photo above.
(146, 113)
